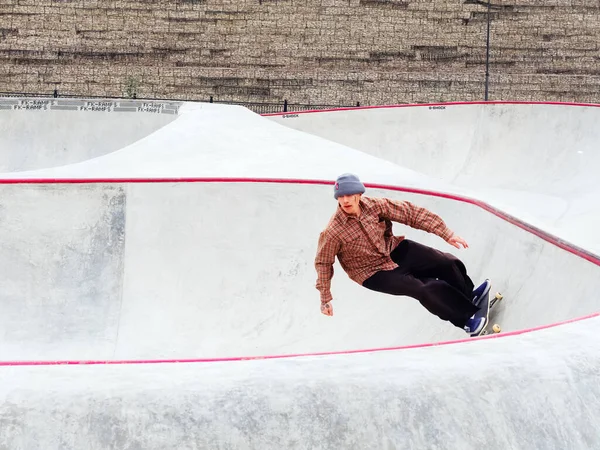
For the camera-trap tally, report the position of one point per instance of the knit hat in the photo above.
(347, 184)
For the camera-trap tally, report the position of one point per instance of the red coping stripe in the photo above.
(417, 105)
(291, 355)
(513, 220)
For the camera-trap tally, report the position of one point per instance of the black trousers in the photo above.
(438, 280)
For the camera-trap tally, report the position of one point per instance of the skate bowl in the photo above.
(150, 314)
(163, 296)
(37, 133)
(536, 160)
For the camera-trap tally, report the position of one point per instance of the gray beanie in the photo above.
(347, 184)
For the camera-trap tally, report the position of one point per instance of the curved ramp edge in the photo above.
(175, 296)
(541, 390)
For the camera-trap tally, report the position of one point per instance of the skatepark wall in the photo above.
(38, 133)
(544, 146)
(538, 161)
(147, 270)
(144, 270)
(539, 390)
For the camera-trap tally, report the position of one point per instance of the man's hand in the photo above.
(327, 309)
(457, 241)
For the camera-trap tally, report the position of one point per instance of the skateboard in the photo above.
(486, 305)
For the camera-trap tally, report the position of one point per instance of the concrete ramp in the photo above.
(38, 133)
(539, 390)
(178, 271)
(213, 140)
(161, 295)
(205, 270)
(537, 161)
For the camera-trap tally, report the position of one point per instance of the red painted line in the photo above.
(417, 105)
(578, 251)
(507, 217)
(288, 356)
(538, 232)
(158, 180)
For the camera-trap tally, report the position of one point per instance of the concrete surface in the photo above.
(540, 390)
(122, 271)
(37, 133)
(112, 271)
(201, 143)
(61, 270)
(538, 161)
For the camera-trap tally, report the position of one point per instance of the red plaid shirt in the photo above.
(363, 244)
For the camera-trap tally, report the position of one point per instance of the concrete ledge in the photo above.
(539, 390)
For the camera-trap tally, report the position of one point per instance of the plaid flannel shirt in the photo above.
(363, 244)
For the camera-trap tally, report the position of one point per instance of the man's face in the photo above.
(349, 203)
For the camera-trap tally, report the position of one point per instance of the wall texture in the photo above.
(307, 51)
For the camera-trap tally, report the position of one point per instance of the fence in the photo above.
(257, 107)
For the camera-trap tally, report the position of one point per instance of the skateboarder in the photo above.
(360, 234)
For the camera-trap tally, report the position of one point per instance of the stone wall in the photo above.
(335, 52)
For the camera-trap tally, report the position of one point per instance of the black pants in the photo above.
(438, 280)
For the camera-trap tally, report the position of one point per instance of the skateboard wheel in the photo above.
(496, 328)
(499, 296)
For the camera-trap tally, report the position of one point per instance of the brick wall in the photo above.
(306, 51)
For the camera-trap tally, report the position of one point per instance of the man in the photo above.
(360, 235)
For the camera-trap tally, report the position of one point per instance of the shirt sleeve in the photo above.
(414, 216)
(327, 249)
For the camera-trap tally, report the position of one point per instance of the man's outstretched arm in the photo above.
(326, 250)
(418, 217)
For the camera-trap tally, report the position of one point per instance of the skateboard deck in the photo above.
(485, 307)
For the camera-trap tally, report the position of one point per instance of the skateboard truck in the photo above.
(495, 328)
